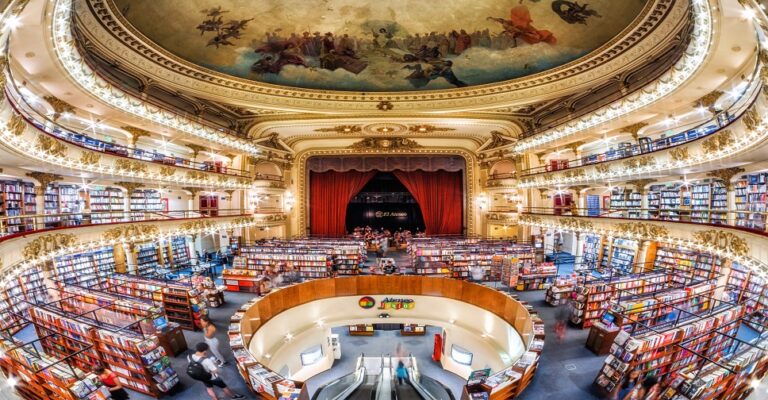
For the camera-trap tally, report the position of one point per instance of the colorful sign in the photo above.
(366, 302)
(397, 304)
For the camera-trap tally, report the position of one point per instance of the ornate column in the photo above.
(579, 253)
(196, 149)
(642, 253)
(131, 262)
(192, 200)
(726, 175)
(640, 186)
(130, 188)
(634, 129)
(574, 147)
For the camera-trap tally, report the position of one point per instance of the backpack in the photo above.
(196, 371)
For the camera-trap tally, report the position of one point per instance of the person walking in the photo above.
(209, 333)
(110, 380)
(401, 373)
(202, 368)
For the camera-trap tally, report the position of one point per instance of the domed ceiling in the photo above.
(380, 46)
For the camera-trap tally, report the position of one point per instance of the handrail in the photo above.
(26, 224)
(60, 132)
(414, 376)
(732, 113)
(360, 376)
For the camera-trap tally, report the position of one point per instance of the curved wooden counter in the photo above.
(254, 314)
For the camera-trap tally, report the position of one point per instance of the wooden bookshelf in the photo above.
(146, 200)
(361, 330)
(108, 202)
(85, 269)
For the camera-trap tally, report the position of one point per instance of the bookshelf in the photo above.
(559, 293)
(687, 265)
(85, 269)
(108, 203)
(709, 203)
(751, 196)
(176, 253)
(62, 199)
(146, 200)
(618, 255)
(147, 259)
(660, 353)
(536, 277)
(592, 298)
(413, 330)
(514, 261)
(631, 201)
(748, 288)
(361, 330)
(13, 197)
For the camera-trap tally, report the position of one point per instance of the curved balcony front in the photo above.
(746, 246)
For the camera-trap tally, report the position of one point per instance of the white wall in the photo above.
(500, 347)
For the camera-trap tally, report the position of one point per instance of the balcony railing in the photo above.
(754, 221)
(717, 122)
(26, 224)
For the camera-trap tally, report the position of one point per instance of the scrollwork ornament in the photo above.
(723, 241)
(47, 244)
(642, 229)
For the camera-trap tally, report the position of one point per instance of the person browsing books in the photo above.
(111, 381)
(209, 332)
(203, 369)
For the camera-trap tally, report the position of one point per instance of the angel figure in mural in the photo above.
(225, 31)
(271, 65)
(572, 12)
(520, 26)
(423, 73)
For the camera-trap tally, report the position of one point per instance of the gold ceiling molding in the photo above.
(131, 166)
(167, 171)
(130, 187)
(44, 178)
(574, 147)
(574, 173)
(197, 175)
(51, 146)
(723, 241)
(130, 231)
(385, 144)
(642, 229)
(718, 141)
(342, 129)
(679, 153)
(59, 106)
(543, 193)
(426, 128)
(498, 140)
(708, 100)
(578, 188)
(385, 105)
(199, 225)
(47, 244)
(135, 133)
(603, 168)
(576, 224)
(89, 157)
(501, 217)
(725, 175)
(752, 118)
(634, 129)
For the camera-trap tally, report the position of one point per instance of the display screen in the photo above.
(461, 355)
(312, 355)
(608, 319)
(160, 323)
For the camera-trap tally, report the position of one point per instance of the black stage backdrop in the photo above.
(384, 203)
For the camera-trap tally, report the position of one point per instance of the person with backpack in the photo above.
(204, 369)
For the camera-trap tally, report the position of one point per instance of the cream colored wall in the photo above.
(499, 348)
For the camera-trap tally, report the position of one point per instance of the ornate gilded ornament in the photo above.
(708, 101)
(385, 105)
(342, 129)
(277, 184)
(603, 168)
(48, 243)
(135, 133)
(199, 225)
(530, 219)
(640, 184)
(51, 146)
(196, 175)
(752, 119)
(130, 231)
(725, 175)
(89, 157)
(44, 178)
(575, 224)
(718, 141)
(385, 144)
(640, 162)
(196, 149)
(634, 129)
(498, 140)
(723, 241)
(167, 171)
(192, 190)
(130, 187)
(60, 107)
(131, 166)
(642, 229)
(574, 173)
(679, 153)
(243, 221)
(426, 128)
(16, 125)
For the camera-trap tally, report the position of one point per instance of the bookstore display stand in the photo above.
(361, 330)
(413, 330)
(601, 337)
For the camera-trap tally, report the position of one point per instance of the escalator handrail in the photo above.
(413, 378)
(354, 386)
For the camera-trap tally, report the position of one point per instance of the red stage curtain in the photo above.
(329, 194)
(439, 196)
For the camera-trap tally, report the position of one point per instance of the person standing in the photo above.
(401, 372)
(111, 381)
(203, 369)
(209, 332)
(629, 384)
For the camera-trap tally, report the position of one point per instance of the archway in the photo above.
(386, 203)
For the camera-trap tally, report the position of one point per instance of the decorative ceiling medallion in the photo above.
(385, 144)
(385, 129)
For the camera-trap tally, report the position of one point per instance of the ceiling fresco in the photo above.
(380, 46)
